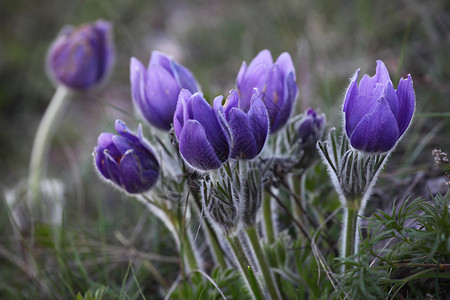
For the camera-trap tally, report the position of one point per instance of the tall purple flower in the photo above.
(82, 57)
(249, 128)
(275, 81)
(377, 115)
(155, 90)
(126, 160)
(202, 137)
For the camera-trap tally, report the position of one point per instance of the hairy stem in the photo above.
(43, 138)
(264, 265)
(267, 218)
(244, 264)
(349, 232)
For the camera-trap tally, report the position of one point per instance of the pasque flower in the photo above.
(275, 81)
(249, 128)
(82, 57)
(126, 160)
(311, 126)
(202, 135)
(377, 115)
(155, 90)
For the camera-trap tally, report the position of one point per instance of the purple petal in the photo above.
(357, 108)
(181, 114)
(241, 74)
(259, 122)
(184, 77)
(273, 93)
(391, 97)
(368, 84)
(254, 78)
(161, 97)
(377, 131)
(195, 147)
(232, 101)
(160, 59)
(406, 103)
(205, 115)
(264, 57)
(138, 78)
(111, 167)
(132, 177)
(243, 142)
(124, 131)
(352, 91)
(285, 64)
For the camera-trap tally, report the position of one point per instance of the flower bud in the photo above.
(201, 132)
(275, 81)
(377, 115)
(126, 160)
(249, 129)
(82, 57)
(155, 90)
(311, 126)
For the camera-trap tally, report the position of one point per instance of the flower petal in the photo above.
(377, 131)
(205, 115)
(195, 148)
(406, 103)
(285, 64)
(132, 177)
(184, 77)
(243, 141)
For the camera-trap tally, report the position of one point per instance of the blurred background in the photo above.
(328, 41)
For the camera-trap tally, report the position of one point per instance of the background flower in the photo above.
(82, 57)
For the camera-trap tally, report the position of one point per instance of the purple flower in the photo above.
(82, 57)
(276, 82)
(249, 128)
(377, 115)
(155, 90)
(202, 136)
(311, 126)
(126, 160)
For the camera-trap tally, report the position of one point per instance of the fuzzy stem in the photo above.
(244, 263)
(267, 219)
(264, 265)
(349, 232)
(43, 138)
(213, 239)
(189, 252)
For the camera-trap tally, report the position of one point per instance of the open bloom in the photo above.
(126, 160)
(377, 115)
(275, 81)
(249, 128)
(311, 127)
(155, 90)
(82, 57)
(202, 136)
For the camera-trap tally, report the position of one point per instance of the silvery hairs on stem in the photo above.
(353, 173)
